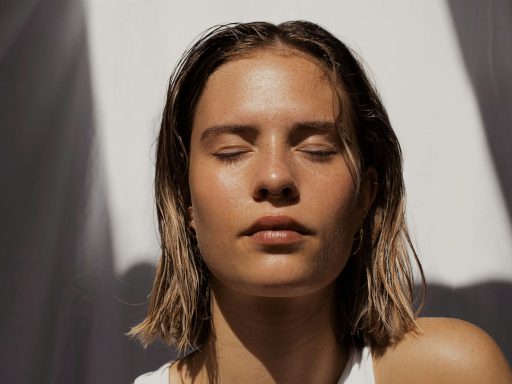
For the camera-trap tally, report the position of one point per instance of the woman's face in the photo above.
(273, 200)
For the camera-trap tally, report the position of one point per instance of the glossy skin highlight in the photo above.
(264, 144)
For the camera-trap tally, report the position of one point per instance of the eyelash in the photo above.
(316, 155)
(230, 157)
(319, 155)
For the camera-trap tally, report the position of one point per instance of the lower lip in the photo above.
(277, 237)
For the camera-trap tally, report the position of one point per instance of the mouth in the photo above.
(277, 230)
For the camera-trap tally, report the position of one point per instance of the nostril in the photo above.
(263, 193)
(276, 193)
(266, 194)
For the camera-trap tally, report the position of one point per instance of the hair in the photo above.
(374, 293)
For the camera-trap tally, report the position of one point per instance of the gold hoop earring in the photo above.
(361, 234)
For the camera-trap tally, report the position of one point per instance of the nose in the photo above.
(275, 180)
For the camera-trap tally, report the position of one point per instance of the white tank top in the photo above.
(358, 370)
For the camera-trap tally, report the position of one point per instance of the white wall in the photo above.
(456, 208)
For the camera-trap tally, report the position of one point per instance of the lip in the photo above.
(276, 230)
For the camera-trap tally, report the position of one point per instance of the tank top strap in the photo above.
(359, 367)
(160, 376)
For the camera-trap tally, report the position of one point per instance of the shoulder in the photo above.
(443, 351)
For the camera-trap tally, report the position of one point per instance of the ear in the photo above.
(191, 221)
(368, 191)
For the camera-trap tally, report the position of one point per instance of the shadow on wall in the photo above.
(59, 319)
(56, 258)
(484, 31)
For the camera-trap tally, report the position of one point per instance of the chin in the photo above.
(279, 283)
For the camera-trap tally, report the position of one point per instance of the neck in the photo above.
(271, 340)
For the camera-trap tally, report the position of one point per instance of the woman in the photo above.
(285, 253)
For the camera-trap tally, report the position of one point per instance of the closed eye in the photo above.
(231, 155)
(319, 154)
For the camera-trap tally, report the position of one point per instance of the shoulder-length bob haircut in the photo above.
(374, 292)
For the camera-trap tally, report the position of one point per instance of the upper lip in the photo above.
(276, 222)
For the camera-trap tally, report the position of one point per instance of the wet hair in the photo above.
(374, 294)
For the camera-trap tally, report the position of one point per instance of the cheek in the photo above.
(217, 203)
(333, 193)
(337, 205)
(215, 200)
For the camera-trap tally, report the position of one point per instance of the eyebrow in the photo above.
(316, 126)
(219, 130)
(323, 127)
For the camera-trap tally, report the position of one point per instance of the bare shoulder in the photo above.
(443, 351)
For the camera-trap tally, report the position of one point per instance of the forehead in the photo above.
(270, 83)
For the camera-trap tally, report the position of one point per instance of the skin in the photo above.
(272, 304)
(443, 351)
